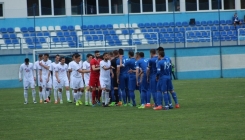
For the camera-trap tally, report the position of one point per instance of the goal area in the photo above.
(82, 51)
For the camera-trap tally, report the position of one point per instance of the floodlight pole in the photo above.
(175, 55)
(34, 14)
(220, 49)
(128, 23)
(81, 22)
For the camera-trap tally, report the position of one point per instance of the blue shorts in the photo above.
(131, 82)
(170, 86)
(153, 84)
(144, 85)
(123, 81)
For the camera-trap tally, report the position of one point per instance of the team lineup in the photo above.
(107, 80)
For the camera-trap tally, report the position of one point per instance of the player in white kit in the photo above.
(70, 76)
(86, 75)
(36, 66)
(45, 78)
(54, 81)
(61, 74)
(29, 76)
(105, 78)
(77, 81)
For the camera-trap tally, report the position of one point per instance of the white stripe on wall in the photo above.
(9, 72)
(234, 61)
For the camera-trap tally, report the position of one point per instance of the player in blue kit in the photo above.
(142, 64)
(122, 75)
(151, 75)
(130, 64)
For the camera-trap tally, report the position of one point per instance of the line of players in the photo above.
(112, 76)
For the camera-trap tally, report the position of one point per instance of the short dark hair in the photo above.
(96, 51)
(121, 51)
(105, 53)
(131, 53)
(141, 54)
(111, 53)
(153, 51)
(160, 49)
(46, 54)
(62, 57)
(74, 54)
(27, 60)
(88, 55)
(57, 55)
(77, 55)
(161, 53)
(115, 52)
(40, 55)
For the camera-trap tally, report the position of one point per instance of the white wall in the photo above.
(14, 8)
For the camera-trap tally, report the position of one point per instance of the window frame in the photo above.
(2, 9)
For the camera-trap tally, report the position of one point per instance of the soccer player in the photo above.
(36, 68)
(77, 81)
(142, 64)
(45, 77)
(94, 76)
(151, 75)
(131, 76)
(122, 76)
(61, 75)
(29, 76)
(105, 80)
(70, 76)
(86, 71)
(114, 80)
(53, 70)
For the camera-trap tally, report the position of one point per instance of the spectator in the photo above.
(173, 71)
(236, 21)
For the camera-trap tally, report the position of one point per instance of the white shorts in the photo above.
(86, 82)
(77, 83)
(105, 83)
(63, 83)
(46, 84)
(28, 83)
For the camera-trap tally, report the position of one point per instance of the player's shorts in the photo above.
(144, 85)
(105, 83)
(86, 82)
(153, 84)
(28, 83)
(46, 84)
(131, 82)
(77, 83)
(94, 82)
(123, 81)
(170, 86)
(64, 82)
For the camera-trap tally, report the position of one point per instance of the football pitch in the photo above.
(211, 109)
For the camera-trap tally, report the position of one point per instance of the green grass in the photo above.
(210, 109)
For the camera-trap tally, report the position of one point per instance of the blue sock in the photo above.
(148, 98)
(124, 96)
(154, 95)
(159, 98)
(165, 98)
(119, 95)
(169, 99)
(175, 97)
(143, 97)
(132, 96)
(112, 96)
(128, 96)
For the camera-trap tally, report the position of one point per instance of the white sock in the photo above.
(40, 95)
(68, 95)
(60, 96)
(106, 97)
(76, 96)
(34, 94)
(90, 97)
(103, 96)
(73, 94)
(44, 94)
(47, 93)
(25, 94)
(55, 94)
(86, 96)
(79, 95)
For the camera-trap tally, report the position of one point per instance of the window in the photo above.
(46, 7)
(147, 5)
(173, 4)
(203, 4)
(242, 4)
(30, 7)
(76, 7)
(216, 4)
(59, 7)
(191, 5)
(229, 4)
(90, 7)
(1, 10)
(134, 6)
(116, 6)
(103, 6)
(160, 5)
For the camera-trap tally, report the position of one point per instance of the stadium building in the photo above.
(197, 31)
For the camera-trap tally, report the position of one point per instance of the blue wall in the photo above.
(113, 19)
